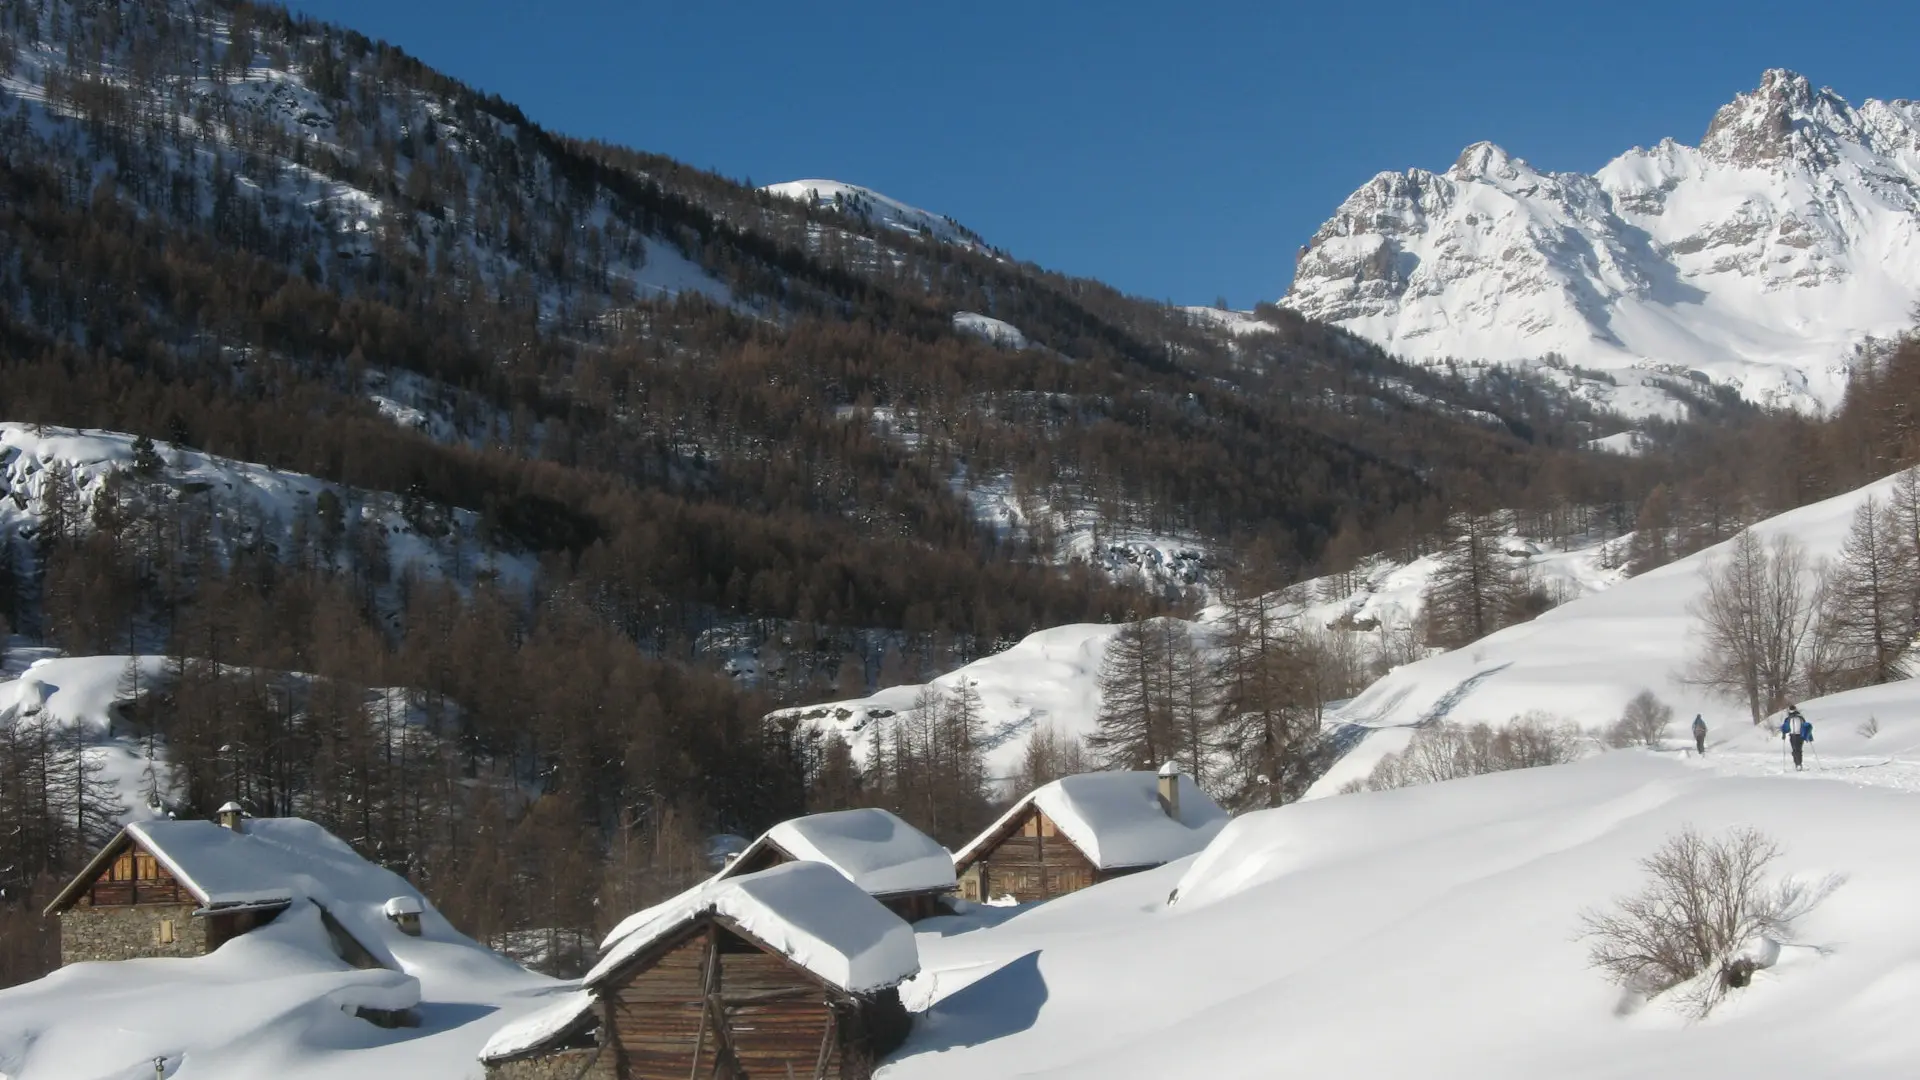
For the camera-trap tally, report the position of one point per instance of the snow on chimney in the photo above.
(229, 816)
(1170, 790)
(405, 913)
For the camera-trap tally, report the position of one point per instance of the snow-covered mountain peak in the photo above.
(1760, 258)
(878, 209)
(1488, 162)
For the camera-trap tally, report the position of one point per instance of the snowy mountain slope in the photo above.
(244, 504)
(871, 206)
(1050, 679)
(322, 164)
(990, 330)
(1430, 932)
(1760, 258)
(1580, 662)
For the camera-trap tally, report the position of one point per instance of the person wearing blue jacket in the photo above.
(1699, 735)
(1797, 730)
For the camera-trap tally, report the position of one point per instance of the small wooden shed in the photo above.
(890, 860)
(184, 888)
(791, 970)
(1082, 830)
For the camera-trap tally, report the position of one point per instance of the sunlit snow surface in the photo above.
(1430, 932)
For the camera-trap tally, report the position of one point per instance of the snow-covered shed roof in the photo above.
(568, 1014)
(1115, 819)
(276, 861)
(872, 848)
(805, 911)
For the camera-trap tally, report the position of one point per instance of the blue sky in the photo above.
(1179, 152)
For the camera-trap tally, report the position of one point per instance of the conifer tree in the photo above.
(1472, 591)
(1145, 679)
(1865, 609)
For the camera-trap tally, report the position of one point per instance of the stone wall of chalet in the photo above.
(123, 933)
(562, 1065)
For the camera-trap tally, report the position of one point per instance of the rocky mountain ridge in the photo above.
(1759, 259)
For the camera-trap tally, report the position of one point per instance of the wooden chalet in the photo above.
(1082, 830)
(788, 971)
(890, 860)
(184, 888)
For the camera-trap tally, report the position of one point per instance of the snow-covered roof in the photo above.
(805, 911)
(872, 848)
(1115, 819)
(570, 1012)
(401, 905)
(281, 860)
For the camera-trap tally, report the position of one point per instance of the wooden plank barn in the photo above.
(1080, 830)
(788, 971)
(890, 860)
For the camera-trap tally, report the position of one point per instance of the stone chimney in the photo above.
(405, 913)
(230, 816)
(1170, 790)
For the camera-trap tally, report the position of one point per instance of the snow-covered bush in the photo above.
(1644, 722)
(1450, 751)
(1869, 727)
(1705, 901)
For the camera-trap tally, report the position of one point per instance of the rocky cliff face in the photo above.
(1760, 258)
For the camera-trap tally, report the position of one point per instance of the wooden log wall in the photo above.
(1034, 862)
(714, 1004)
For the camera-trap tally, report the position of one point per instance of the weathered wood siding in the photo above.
(135, 877)
(1032, 861)
(761, 1013)
(770, 1033)
(656, 1015)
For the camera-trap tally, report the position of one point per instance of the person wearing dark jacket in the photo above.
(1699, 735)
(1797, 730)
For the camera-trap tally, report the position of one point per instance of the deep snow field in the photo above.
(1430, 931)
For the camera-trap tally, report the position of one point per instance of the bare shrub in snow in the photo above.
(1705, 900)
(1450, 751)
(1643, 724)
(1869, 727)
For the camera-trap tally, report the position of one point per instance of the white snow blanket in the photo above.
(275, 1002)
(872, 848)
(1116, 820)
(1430, 932)
(805, 911)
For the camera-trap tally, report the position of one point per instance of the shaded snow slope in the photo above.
(1580, 662)
(1430, 932)
(243, 504)
(1758, 259)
